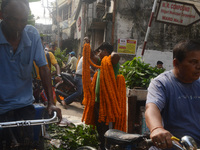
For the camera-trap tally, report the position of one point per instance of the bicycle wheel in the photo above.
(86, 148)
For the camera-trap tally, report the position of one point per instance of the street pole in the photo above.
(149, 27)
(58, 23)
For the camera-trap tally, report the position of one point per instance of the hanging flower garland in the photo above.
(112, 107)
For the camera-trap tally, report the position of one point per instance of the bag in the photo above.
(44, 97)
(48, 59)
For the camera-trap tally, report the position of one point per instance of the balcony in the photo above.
(97, 24)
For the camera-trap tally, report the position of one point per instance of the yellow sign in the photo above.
(127, 46)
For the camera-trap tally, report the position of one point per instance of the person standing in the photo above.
(51, 60)
(72, 63)
(105, 49)
(105, 95)
(173, 99)
(20, 45)
(159, 64)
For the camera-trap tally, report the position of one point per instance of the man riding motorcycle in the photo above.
(173, 99)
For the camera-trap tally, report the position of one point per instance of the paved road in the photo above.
(73, 112)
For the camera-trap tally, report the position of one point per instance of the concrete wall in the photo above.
(124, 26)
(152, 56)
(132, 19)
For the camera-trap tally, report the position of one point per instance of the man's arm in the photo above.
(92, 71)
(70, 62)
(57, 69)
(154, 123)
(54, 63)
(114, 58)
(46, 83)
(153, 117)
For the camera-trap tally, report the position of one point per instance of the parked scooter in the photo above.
(66, 87)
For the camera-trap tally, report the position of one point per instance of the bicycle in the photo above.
(39, 131)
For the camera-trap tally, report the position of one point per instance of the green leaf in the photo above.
(74, 137)
(138, 73)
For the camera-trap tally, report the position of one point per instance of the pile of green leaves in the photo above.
(73, 137)
(137, 73)
(61, 56)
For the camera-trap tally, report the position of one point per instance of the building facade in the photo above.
(111, 20)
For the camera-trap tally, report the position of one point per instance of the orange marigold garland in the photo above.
(108, 95)
(88, 115)
(112, 93)
(88, 87)
(121, 85)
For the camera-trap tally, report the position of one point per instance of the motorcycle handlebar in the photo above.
(148, 143)
(54, 119)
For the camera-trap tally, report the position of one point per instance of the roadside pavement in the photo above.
(73, 113)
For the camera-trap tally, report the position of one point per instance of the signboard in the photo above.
(127, 46)
(178, 13)
(78, 24)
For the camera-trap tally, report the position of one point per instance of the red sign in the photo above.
(79, 24)
(178, 13)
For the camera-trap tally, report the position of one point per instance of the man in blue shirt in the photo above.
(20, 45)
(173, 99)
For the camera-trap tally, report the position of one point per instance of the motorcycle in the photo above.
(66, 87)
(119, 140)
(128, 141)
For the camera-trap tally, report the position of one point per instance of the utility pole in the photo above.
(58, 23)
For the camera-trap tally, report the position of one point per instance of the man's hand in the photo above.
(115, 58)
(58, 79)
(51, 108)
(161, 138)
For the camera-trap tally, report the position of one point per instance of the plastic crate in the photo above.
(39, 114)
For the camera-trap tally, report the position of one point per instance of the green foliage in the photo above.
(31, 19)
(42, 35)
(61, 56)
(137, 73)
(73, 137)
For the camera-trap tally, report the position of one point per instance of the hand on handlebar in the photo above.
(58, 79)
(51, 108)
(161, 138)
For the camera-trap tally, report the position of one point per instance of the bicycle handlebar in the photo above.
(54, 119)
